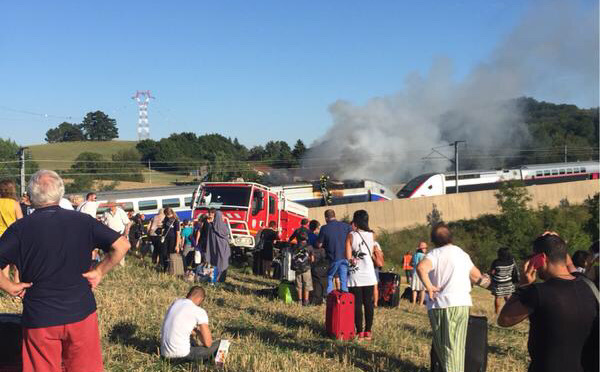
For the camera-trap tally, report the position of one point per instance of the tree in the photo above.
(89, 163)
(99, 127)
(593, 225)
(517, 226)
(299, 150)
(434, 217)
(10, 166)
(127, 167)
(65, 132)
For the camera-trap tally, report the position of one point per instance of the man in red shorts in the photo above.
(52, 248)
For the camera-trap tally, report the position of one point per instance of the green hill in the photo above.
(60, 155)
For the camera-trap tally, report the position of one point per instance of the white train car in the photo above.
(431, 184)
(148, 201)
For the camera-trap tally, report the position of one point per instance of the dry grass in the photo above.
(268, 335)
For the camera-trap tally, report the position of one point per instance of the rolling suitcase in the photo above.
(339, 315)
(176, 265)
(10, 342)
(476, 347)
(389, 289)
(287, 272)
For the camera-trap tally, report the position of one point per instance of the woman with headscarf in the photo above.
(217, 246)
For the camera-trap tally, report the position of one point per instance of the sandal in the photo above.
(367, 336)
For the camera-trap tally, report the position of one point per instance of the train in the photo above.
(148, 201)
(309, 194)
(431, 184)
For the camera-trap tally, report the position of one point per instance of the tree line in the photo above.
(95, 126)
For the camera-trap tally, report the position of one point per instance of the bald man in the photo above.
(447, 272)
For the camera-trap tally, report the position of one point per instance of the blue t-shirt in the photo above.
(52, 247)
(417, 257)
(333, 237)
(312, 239)
(187, 233)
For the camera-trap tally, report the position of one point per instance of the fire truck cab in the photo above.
(248, 208)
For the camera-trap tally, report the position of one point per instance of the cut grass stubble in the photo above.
(268, 335)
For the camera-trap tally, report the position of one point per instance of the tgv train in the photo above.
(431, 184)
(149, 201)
(341, 192)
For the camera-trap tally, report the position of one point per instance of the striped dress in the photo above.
(502, 277)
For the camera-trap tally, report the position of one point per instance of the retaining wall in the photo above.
(398, 214)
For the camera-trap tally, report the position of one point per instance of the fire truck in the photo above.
(248, 208)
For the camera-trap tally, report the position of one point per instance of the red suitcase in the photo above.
(339, 316)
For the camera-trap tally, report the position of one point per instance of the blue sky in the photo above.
(255, 70)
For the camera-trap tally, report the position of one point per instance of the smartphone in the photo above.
(537, 261)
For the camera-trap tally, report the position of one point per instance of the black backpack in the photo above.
(301, 261)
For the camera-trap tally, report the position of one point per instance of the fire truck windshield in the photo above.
(230, 196)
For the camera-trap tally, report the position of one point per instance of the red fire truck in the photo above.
(248, 208)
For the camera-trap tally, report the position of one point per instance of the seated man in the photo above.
(186, 318)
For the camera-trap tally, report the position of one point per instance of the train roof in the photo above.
(560, 165)
(145, 193)
(527, 166)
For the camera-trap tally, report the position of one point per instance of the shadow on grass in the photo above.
(360, 356)
(289, 321)
(124, 333)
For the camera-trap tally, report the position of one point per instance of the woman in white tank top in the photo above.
(361, 273)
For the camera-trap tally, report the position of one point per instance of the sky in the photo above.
(254, 70)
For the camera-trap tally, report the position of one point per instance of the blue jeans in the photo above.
(341, 268)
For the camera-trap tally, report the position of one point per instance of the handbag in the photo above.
(164, 236)
(377, 258)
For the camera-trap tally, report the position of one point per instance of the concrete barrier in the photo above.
(399, 214)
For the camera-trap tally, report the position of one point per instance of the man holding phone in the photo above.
(562, 310)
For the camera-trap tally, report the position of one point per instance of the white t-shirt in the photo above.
(65, 204)
(89, 207)
(450, 273)
(181, 319)
(118, 221)
(364, 273)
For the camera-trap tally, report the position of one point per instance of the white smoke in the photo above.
(553, 51)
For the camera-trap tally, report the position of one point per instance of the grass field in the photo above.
(268, 335)
(60, 156)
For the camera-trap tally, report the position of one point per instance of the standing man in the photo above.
(51, 249)
(117, 219)
(332, 237)
(447, 272)
(90, 205)
(303, 229)
(562, 311)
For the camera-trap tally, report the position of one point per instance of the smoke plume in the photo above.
(553, 51)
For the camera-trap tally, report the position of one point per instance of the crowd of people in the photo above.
(55, 257)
